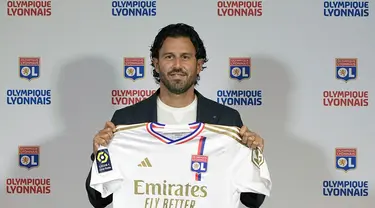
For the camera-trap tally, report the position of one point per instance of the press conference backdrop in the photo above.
(299, 72)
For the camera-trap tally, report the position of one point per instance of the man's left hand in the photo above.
(251, 139)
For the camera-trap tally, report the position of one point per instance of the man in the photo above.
(178, 55)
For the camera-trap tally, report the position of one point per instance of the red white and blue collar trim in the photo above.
(196, 128)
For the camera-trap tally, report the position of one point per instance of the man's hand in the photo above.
(103, 136)
(251, 139)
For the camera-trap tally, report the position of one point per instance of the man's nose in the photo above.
(177, 63)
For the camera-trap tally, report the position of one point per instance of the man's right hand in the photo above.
(103, 136)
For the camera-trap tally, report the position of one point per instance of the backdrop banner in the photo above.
(295, 70)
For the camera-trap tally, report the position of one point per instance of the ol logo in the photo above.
(240, 68)
(346, 158)
(199, 165)
(29, 68)
(346, 69)
(134, 68)
(103, 161)
(28, 156)
(257, 157)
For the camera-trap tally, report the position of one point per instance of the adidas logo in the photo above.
(145, 163)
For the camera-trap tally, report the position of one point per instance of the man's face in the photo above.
(177, 66)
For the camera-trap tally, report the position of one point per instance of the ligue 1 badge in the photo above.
(103, 161)
(199, 163)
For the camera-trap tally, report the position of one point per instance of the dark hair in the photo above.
(175, 31)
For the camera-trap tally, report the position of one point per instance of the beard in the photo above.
(178, 86)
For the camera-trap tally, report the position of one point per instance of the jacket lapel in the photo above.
(204, 112)
(151, 104)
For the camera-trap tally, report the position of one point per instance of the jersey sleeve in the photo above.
(251, 172)
(106, 176)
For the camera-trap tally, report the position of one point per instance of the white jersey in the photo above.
(173, 166)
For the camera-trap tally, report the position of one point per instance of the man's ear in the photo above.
(200, 65)
(155, 61)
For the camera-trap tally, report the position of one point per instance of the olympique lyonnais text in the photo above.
(134, 8)
(130, 97)
(29, 97)
(346, 8)
(239, 97)
(29, 8)
(239, 8)
(28, 186)
(345, 188)
(346, 152)
(169, 195)
(345, 98)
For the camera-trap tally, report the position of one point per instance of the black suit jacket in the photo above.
(208, 111)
